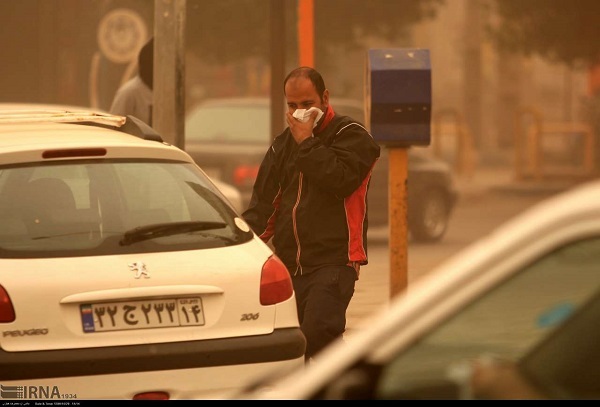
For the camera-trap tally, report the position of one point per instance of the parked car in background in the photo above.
(229, 137)
(125, 273)
(516, 315)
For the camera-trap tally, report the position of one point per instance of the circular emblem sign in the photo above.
(121, 34)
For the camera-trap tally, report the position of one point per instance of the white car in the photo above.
(514, 316)
(124, 272)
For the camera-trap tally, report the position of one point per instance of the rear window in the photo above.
(86, 208)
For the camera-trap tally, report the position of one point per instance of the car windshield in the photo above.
(90, 207)
(229, 124)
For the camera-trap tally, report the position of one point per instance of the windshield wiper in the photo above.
(166, 229)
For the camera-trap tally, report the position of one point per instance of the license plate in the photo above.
(143, 314)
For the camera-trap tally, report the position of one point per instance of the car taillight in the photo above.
(275, 282)
(245, 175)
(7, 311)
(152, 395)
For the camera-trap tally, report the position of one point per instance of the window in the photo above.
(509, 321)
(86, 207)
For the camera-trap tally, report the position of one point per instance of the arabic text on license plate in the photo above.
(142, 314)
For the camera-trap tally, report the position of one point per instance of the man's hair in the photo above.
(309, 73)
(146, 62)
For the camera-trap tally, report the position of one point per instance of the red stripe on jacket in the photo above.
(356, 211)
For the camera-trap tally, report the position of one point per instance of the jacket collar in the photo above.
(327, 117)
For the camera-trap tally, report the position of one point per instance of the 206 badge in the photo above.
(140, 269)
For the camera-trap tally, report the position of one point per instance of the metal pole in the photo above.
(168, 111)
(306, 33)
(277, 65)
(398, 212)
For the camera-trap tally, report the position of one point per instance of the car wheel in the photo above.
(431, 216)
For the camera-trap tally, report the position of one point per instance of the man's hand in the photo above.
(301, 130)
(356, 266)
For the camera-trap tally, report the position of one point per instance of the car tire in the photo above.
(431, 217)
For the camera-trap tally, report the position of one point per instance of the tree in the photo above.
(559, 31)
(564, 31)
(347, 21)
(229, 30)
(223, 31)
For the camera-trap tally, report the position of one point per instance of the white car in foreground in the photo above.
(124, 271)
(514, 316)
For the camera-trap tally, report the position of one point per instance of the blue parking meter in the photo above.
(398, 90)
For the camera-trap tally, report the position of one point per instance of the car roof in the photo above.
(47, 106)
(27, 130)
(13, 113)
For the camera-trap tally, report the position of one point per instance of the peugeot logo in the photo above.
(140, 269)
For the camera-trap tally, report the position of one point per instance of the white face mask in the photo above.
(304, 114)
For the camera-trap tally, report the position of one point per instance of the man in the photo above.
(310, 196)
(135, 96)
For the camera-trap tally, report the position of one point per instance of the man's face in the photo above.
(300, 93)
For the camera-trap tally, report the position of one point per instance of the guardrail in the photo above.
(531, 155)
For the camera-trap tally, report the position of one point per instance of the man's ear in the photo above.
(326, 98)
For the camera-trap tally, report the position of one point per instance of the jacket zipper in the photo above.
(298, 266)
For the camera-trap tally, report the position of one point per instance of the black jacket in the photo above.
(312, 198)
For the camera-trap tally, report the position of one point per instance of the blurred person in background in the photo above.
(134, 97)
(310, 196)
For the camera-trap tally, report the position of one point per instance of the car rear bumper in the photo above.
(282, 344)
